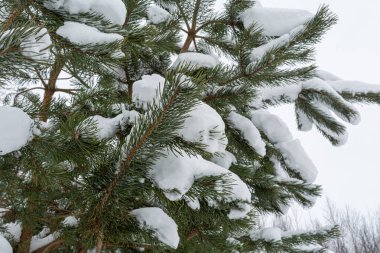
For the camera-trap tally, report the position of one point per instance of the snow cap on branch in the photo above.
(113, 10)
(164, 227)
(16, 129)
(275, 21)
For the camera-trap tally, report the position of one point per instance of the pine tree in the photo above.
(142, 126)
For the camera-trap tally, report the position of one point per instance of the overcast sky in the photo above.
(349, 174)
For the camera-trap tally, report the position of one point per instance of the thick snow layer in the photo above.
(297, 159)
(146, 90)
(259, 52)
(273, 234)
(5, 246)
(275, 21)
(175, 174)
(82, 34)
(289, 93)
(157, 15)
(113, 10)
(320, 85)
(37, 46)
(16, 129)
(156, 220)
(248, 131)
(353, 87)
(273, 127)
(279, 134)
(204, 125)
(196, 60)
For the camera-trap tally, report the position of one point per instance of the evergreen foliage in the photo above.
(70, 170)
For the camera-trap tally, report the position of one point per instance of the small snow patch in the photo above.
(156, 220)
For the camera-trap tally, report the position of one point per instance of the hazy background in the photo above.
(350, 175)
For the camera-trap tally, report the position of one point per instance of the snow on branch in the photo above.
(112, 10)
(275, 21)
(163, 226)
(16, 129)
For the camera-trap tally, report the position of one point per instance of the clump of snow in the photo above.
(70, 221)
(196, 60)
(5, 246)
(248, 131)
(13, 230)
(157, 15)
(273, 234)
(146, 90)
(193, 203)
(113, 10)
(296, 158)
(16, 129)
(41, 240)
(37, 46)
(278, 133)
(156, 220)
(128, 118)
(275, 21)
(240, 213)
(82, 34)
(225, 159)
(106, 128)
(273, 127)
(171, 7)
(204, 125)
(175, 174)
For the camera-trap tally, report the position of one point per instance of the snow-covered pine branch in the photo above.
(138, 125)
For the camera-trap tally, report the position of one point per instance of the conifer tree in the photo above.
(142, 126)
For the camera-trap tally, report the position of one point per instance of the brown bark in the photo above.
(25, 239)
(46, 102)
(7, 24)
(50, 247)
(51, 88)
(99, 243)
(187, 44)
(81, 250)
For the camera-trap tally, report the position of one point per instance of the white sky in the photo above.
(349, 174)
